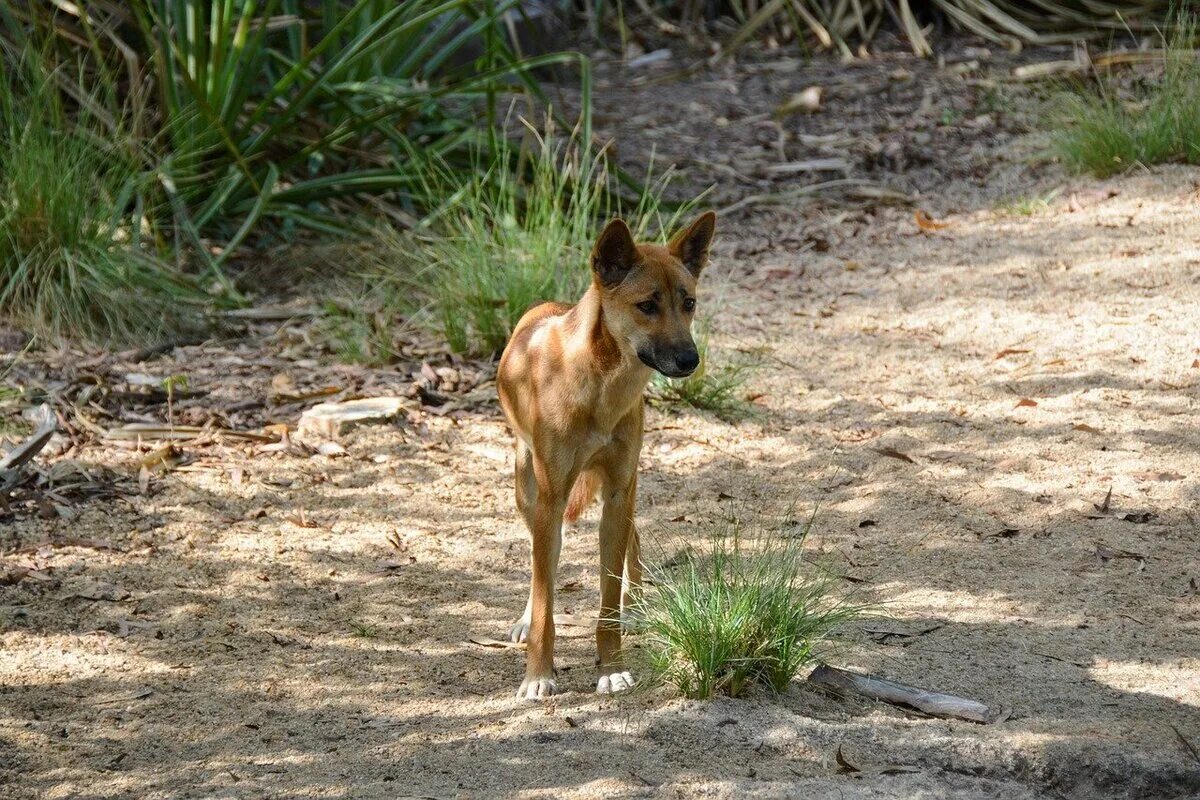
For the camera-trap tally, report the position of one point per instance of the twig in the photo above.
(932, 703)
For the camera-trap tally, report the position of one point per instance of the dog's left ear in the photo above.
(691, 246)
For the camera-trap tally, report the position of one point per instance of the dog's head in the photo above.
(648, 292)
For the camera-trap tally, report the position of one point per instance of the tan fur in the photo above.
(570, 382)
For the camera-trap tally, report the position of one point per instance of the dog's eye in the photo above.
(647, 306)
(689, 305)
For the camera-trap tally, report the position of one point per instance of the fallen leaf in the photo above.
(844, 765)
(1009, 351)
(486, 641)
(1107, 553)
(1083, 426)
(893, 453)
(807, 101)
(1025, 402)
(1158, 476)
(301, 520)
(927, 223)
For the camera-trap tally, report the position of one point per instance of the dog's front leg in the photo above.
(616, 529)
(546, 532)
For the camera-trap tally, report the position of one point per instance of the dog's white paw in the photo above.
(519, 632)
(615, 682)
(537, 689)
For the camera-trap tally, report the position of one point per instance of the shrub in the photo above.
(751, 611)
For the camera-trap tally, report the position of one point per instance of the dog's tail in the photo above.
(582, 495)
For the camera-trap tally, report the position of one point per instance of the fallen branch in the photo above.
(13, 463)
(933, 703)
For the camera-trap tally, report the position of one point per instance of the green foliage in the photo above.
(285, 108)
(750, 611)
(1155, 122)
(509, 238)
(716, 389)
(1028, 205)
(74, 257)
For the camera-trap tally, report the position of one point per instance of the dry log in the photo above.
(933, 703)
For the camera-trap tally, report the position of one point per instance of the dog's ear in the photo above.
(691, 246)
(614, 254)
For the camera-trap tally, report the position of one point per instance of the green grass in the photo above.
(363, 630)
(73, 257)
(750, 612)
(518, 233)
(1150, 121)
(1028, 205)
(719, 390)
(183, 131)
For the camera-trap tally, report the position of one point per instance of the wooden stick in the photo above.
(933, 703)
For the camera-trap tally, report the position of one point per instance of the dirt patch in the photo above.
(284, 624)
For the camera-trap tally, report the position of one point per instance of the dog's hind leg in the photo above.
(526, 504)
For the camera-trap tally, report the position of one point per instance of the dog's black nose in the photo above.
(687, 361)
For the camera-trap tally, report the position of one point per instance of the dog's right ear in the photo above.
(614, 254)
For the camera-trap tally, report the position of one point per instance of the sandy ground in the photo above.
(253, 633)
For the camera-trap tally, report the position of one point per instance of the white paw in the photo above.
(519, 632)
(614, 682)
(537, 689)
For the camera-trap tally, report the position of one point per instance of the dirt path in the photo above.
(261, 637)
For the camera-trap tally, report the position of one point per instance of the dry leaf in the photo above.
(807, 101)
(893, 453)
(1083, 426)
(1025, 402)
(1158, 476)
(927, 223)
(1010, 351)
(486, 641)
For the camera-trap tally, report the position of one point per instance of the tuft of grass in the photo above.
(751, 611)
(1028, 205)
(73, 258)
(516, 234)
(363, 630)
(720, 390)
(1155, 121)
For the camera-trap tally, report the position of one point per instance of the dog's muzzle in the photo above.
(676, 364)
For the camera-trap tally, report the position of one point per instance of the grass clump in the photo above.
(73, 258)
(751, 611)
(1154, 120)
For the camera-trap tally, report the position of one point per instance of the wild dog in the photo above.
(571, 381)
